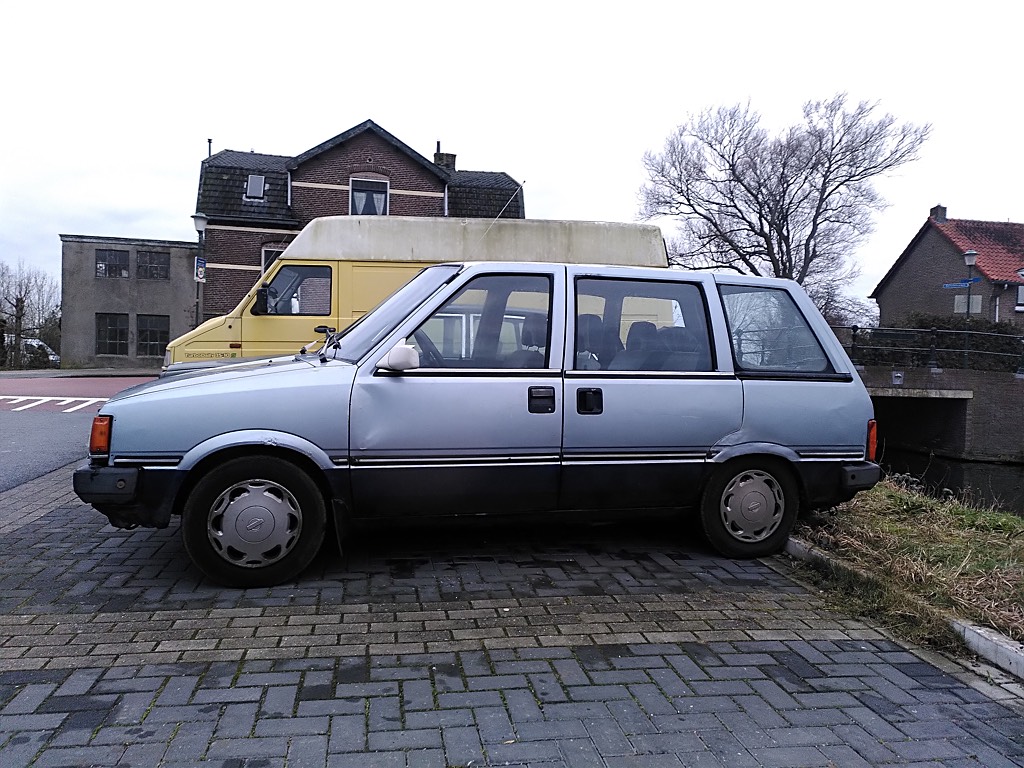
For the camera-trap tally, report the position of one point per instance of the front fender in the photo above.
(256, 438)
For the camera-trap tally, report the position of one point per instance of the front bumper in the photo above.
(129, 496)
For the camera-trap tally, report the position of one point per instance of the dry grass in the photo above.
(963, 561)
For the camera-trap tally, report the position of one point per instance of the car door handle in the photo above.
(542, 400)
(589, 400)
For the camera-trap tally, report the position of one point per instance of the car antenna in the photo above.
(506, 205)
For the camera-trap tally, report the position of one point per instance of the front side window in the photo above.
(153, 333)
(368, 197)
(769, 333)
(495, 321)
(111, 263)
(300, 290)
(111, 334)
(152, 265)
(641, 325)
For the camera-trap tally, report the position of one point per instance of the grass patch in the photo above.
(923, 557)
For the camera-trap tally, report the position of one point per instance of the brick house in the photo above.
(255, 204)
(935, 257)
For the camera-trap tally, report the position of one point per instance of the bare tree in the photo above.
(793, 205)
(29, 300)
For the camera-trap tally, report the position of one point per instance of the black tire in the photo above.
(224, 523)
(749, 507)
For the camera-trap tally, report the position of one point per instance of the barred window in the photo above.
(153, 265)
(111, 263)
(153, 333)
(111, 334)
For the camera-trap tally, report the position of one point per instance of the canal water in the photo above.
(976, 482)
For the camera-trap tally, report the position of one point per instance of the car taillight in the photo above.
(99, 436)
(872, 439)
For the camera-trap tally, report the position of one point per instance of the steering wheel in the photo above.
(428, 351)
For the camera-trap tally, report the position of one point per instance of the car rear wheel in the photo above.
(749, 508)
(254, 521)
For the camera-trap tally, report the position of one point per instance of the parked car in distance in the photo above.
(35, 353)
(509, 389)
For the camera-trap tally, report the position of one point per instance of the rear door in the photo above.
(477, 428)
(647, 394)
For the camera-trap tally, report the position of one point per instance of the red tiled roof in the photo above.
(1000, 245)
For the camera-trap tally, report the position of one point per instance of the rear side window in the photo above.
(641, 325)
(769, 333)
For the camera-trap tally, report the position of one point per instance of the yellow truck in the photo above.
(339, 267)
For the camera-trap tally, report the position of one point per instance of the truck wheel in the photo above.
(254, 521)
(749, 507)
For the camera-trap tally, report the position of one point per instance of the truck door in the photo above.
(299, 298)
(477, 427)
(645, 398)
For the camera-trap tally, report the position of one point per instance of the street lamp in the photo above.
(970, 259)
(199, 274)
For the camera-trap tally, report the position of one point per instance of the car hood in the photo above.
(238, 374)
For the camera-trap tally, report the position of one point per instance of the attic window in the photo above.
(254, 187)
(368, 197)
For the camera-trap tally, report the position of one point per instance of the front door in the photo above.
(300, 297)
(476, 428)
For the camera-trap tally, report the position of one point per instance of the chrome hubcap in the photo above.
(254, 523)
(752, 506)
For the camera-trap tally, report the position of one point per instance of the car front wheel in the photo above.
(749, 508)
(254, 521)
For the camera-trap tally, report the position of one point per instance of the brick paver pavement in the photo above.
(615, 646)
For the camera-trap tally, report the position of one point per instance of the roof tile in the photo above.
(1000, 246)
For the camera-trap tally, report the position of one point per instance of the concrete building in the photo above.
(935, 258)
(123, 299)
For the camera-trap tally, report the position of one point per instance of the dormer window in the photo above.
(255, 186)
(368, 197)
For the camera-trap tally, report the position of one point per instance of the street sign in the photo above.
(200, 273)
(962, 283)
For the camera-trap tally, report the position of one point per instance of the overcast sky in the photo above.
(107, 107)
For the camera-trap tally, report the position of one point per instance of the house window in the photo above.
(270, 255)
(1020, 298)
(111, 263)
(368, 197)
(254, 187)
(153, 333)
(960, 304)
(111, 334)
(152, 265)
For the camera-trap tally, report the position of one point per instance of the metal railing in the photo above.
(933, 348)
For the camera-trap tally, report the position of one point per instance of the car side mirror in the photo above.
(401, 357)
(259, 307)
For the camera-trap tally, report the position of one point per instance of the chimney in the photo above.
(445, 159)
(939, 214)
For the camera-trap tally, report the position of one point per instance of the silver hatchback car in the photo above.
(509, 389)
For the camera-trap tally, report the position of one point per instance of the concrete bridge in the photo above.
(957, 413)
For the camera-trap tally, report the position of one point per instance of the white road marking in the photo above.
(81, 402)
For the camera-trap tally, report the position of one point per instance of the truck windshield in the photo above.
(364, 334)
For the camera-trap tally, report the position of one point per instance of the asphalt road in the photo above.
(45, 421)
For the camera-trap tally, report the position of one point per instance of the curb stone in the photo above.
(994, 647)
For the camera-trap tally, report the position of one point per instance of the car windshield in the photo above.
(364, 334)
